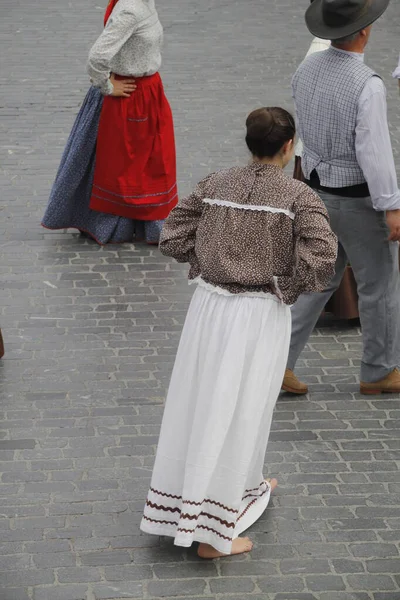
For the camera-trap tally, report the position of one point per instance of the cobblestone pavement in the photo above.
(91, 335)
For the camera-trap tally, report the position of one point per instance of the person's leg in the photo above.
(307, 309)
(375, 262)
(152, 231)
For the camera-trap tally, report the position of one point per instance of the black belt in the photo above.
(352, 191)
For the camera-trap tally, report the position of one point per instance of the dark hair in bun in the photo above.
(268, 129)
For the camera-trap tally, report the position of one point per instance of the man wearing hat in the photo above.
(347, 157)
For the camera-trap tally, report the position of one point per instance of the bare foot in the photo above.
(273, 483)
(239, 546)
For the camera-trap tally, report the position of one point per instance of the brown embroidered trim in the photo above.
(250, 504)
(160, 522)
(188, 516)
(162, 507)
(208, 516)
(213, 502)
(257, 489)
(192, 502)
(250, 496)
(254, 489)
(225, 537)
(165, 495)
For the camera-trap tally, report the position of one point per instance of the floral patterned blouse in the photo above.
(253, 229)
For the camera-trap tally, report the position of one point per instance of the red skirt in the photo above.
(135, 173)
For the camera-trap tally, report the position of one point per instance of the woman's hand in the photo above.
(122, 87)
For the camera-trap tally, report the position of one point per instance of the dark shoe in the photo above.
(1, 346)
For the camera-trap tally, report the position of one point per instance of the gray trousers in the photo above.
(363, 241)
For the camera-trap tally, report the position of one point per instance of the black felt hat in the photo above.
(335, 19)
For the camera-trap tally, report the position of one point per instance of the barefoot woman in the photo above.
(117, 179)
(254, 239)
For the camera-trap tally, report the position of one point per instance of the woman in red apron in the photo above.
(117, 178)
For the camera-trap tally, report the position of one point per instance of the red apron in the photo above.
(135, 173)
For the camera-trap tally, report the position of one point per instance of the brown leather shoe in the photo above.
(1, 346)
(292, 385)
(389, 385)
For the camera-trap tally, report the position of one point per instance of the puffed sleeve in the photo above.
(315, 247)
(178, 238)
(120, 27)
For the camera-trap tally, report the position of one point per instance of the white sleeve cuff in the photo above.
(387, 202)
(107, 88)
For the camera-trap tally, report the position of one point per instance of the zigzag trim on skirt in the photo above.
(188, 516)
(250, 504)
(193, 503)
(183, 530)
(254, 489)
(160, 522)
(225, 537)
(208, 501)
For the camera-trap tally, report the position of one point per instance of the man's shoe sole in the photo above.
(377, 392)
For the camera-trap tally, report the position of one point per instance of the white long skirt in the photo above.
(208, 484)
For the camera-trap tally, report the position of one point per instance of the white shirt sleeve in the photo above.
(318, 45)
(374, 148)
(396, 72)
(119, 29)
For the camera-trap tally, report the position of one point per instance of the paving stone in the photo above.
(17, 444)
(229, 585)
(298, 566)
(47, 547)
(183, 570)
(318, 583)
(26, 577)
(129, 573)
(14, 594)
(170, 589)
(343, 566)
(344, 596)
(380, 550)
(50, 560)
(131, 589)
(371, 583)
(61, 592)
(117, 557)
(280, 584)
(297, 596)
(19, 561)
(383, 565)
(251, 567)
(78, 575)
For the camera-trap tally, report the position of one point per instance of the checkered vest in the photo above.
(326, 88)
